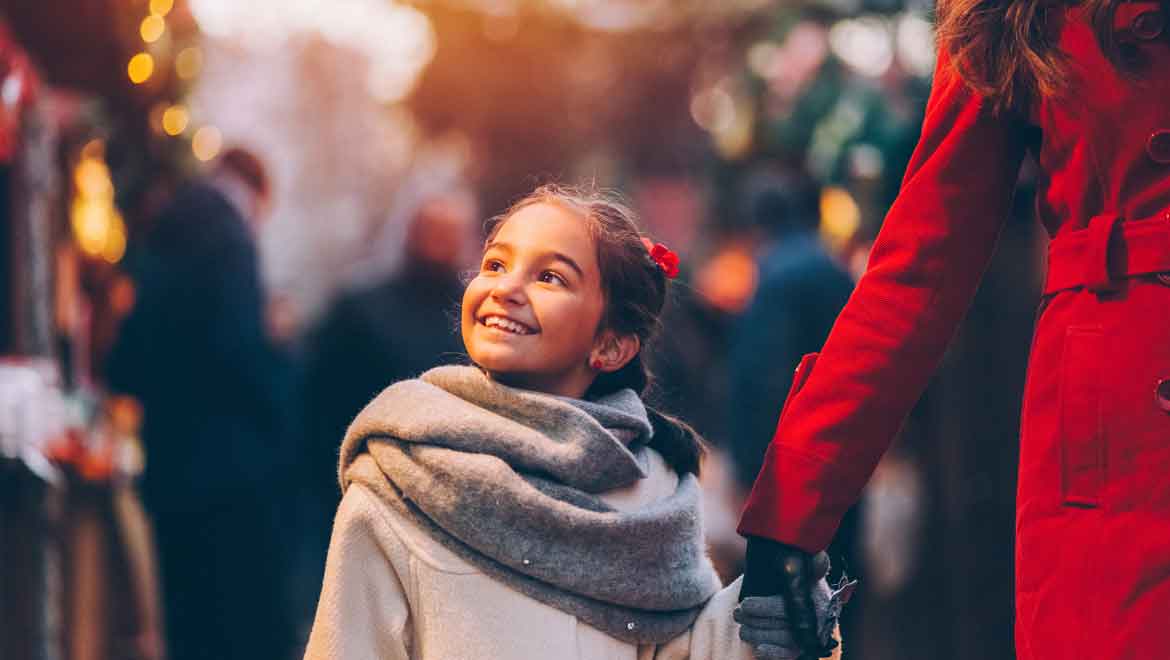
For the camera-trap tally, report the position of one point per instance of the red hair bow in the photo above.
(663, 256)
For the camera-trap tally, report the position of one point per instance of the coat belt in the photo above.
(1108, 250)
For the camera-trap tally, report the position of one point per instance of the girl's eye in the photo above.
(492, 265)
(549, 277)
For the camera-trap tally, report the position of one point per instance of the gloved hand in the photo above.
(787, 609)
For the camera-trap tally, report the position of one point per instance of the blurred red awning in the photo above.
(76, 43)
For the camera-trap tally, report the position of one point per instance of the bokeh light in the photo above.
(175, 120)
(98, 228)
(140, 68)
(115, 244)
(161, 7)
(865, 44)
(189, 62)
(206, 143)
(152, 28)
(713, 109)
(915, 48)
(840, 215)
(92, 179)
(395, 63)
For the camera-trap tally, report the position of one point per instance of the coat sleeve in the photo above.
(924, 269)
(364, 611)
(714, 635)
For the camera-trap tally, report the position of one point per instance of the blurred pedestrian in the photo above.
(216, 395)
(1082, 87)
(801, 288)
(391, 330)
(371, 337)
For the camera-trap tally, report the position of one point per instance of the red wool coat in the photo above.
(1093, 506)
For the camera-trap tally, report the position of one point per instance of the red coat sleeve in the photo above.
(923, 272)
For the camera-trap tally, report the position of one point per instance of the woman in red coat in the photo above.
(1084, 87)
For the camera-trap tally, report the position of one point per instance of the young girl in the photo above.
(532, 506)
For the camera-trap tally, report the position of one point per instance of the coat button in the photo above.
(1158, 146)
(1148, 25)
(1162, 394)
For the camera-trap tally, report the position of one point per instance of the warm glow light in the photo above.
(175, 119)
(713, 110)
(98, 228)
(91, 222)
(140, 68)
(161, 7)
(206, 143)
(396, 40)
(840, 215)
(152, 28)
(189, 62)
(728, 280)
(730, 123)
(92, 179)
(115, 245)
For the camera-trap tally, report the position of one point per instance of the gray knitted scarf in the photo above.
(508, 480)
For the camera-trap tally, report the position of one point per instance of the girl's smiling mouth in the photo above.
(506, 324)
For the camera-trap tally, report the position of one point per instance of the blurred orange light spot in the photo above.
(140, 68)
(175, 120)
(152, 28)
(92, 179)
(728, 280)
(188, 62)
(840, 216)
(161, 7)
(115, 244)
(206, 143)
(90, 225)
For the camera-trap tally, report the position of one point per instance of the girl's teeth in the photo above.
(505, 324)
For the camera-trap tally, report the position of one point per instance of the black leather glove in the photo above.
(786, 604)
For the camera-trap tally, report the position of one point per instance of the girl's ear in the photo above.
(612, 351)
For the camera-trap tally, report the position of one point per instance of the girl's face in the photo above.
(530, 317)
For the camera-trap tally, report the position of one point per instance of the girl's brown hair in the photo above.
(1006, 52)
(635, 291)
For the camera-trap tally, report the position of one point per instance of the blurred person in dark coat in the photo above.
(373, 336)
(393, 329)
(216, 395)
(801, 290)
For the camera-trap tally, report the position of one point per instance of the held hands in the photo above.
(787, 610)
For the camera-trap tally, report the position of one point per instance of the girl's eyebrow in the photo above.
(559, 256)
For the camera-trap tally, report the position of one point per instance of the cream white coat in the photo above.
(393, 593)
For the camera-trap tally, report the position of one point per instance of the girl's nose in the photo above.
(509, 288)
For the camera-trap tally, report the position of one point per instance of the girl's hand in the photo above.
(769, 625)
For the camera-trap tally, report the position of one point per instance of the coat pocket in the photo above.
(1082, 434)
